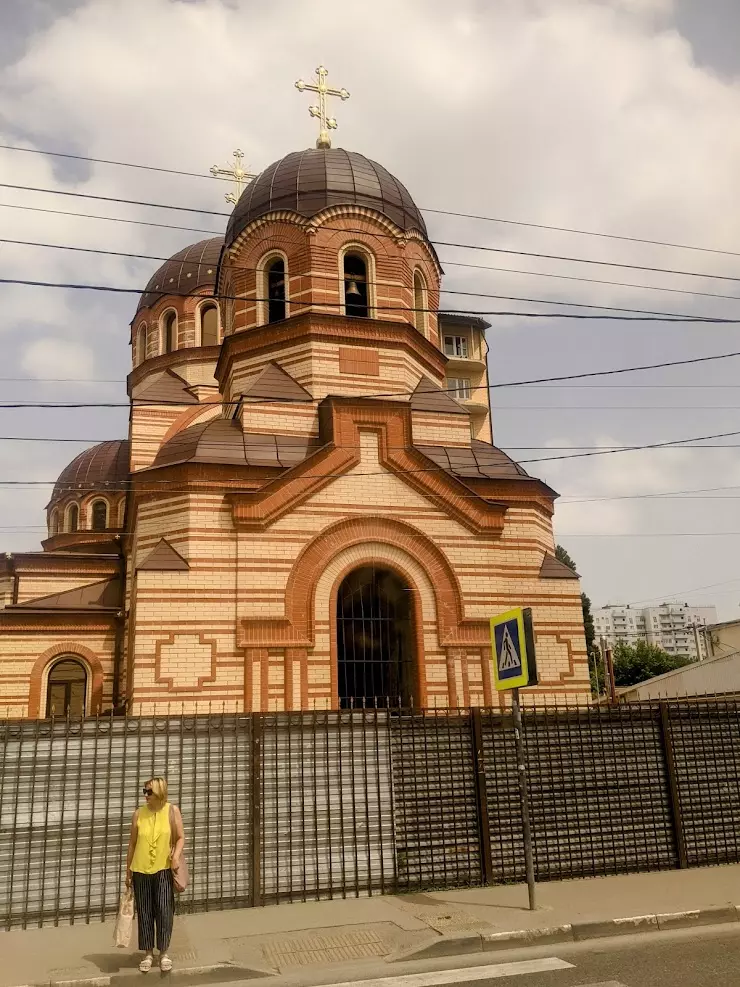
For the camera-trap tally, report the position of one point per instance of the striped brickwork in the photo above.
(236, 607)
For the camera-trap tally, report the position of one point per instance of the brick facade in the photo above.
(246, 510)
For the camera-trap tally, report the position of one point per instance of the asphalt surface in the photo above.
(701, 957)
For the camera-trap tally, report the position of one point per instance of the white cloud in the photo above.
(578, 113)
(51, 358)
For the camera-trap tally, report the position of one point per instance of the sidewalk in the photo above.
(233, 945)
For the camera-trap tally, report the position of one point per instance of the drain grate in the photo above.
(332, 948)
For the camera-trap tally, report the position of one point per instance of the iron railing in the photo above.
(309, 805)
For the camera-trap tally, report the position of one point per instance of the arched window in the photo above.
(66, 689)
(375, 639)
(99, 516)
(140, 354)
(54, 522)
(276, 290)
(209, 325)
(170, 332)
(73, 517)
(355, 286)
(419, 302)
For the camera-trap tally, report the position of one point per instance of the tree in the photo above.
(636, 663)
(588, 620)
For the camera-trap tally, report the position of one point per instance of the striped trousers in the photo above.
(155, 909)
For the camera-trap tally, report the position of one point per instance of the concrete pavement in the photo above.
(231, 945)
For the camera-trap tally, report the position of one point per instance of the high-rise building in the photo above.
(669, 626)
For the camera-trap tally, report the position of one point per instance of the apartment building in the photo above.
(669, 626)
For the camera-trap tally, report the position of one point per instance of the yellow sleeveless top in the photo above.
(152, 852)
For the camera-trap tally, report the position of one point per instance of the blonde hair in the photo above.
(159, 789)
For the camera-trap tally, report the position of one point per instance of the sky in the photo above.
(610, 116)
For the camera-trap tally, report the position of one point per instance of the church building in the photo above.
(309, 511)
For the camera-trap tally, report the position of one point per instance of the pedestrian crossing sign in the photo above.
(512, 644)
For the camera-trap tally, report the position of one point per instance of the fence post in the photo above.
(255, 888)
(481, 793)
(670, 760)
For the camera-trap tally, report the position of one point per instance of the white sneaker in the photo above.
(146, 964)
(165, 963)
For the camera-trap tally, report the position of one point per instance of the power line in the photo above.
(109, 219)
(594, 233)
(301, 445)
(377, 234)
(384, 472)
(448, 263)
(496, 385)
(438, 212)
(106, 161)
(667, 317)
(650, 534)
(575, 277)
(335, 277)
(695, 493)
(651, 445)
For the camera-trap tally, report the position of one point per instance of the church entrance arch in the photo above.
(375, 638)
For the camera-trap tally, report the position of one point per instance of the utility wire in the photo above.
(438, 212)
(652, 445)
(301, 445)
(489, 313)
(514, 383)
(434, 469)
(109, 219)
(377, 234)
(333, 277)
(448, 263)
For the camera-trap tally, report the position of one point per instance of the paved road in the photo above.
(693, 958)
(703, 959)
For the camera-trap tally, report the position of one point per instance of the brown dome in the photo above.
(104, 465)
(187, 270)
(305, 182)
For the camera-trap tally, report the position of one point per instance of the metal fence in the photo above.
(298, 806)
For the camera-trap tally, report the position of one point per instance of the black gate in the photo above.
(375, 638)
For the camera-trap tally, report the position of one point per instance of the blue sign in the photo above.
(508, 650)
(512, 646)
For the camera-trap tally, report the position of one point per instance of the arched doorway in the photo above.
(66, 689)
(375, 639)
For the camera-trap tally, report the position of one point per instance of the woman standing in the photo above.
(155, 847)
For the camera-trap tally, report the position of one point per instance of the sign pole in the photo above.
(524, 798)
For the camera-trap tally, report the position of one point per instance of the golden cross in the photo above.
(325, 123)
(239, 175)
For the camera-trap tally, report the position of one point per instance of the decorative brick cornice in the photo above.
(85, 536)
(171, 361)
(68, 563)
(341, 420)
(325, 327)
(296, 628)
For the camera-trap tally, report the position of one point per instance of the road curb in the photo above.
(576, 932)
(223, 972)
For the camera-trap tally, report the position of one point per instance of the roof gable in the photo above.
(553, 568)
(429, 396)
(275, 384)
(163, 558)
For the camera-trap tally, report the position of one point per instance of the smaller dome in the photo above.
(188, 270)
(106, 464)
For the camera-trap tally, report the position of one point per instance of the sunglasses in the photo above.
(147, 792)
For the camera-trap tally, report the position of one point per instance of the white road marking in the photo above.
(439, 977)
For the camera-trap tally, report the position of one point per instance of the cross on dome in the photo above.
(320, 86)
(237, 173)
